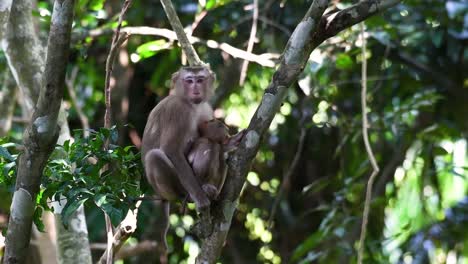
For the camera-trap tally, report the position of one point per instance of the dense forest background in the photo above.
(304, 195)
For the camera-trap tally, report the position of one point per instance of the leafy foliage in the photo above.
(84, 170)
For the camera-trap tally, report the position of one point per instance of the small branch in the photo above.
(287, 178)
(188, 49)
(333, 23)
(138, 249)
(125, 229)
(253, 33)
(265, 59)
(71, 91)
(375, 167)
(127, 251)
(272, 23)
(117, 41)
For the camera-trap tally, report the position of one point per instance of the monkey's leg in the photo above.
(215, 176)
(161, 175)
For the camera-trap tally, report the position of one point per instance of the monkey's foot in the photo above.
(203, 228)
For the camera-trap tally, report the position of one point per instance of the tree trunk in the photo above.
(41, 134)
(21, 48)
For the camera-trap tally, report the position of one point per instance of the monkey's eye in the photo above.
(189, 81)
(199, 80)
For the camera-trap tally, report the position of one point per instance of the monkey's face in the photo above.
(195, 87)
(193, 83)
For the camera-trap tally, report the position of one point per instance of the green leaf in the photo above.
(344, 62)
(8, 167)
(71, 206)
(149, 49)
(96, 5)
(37, 218)
(316, 186)
(114, 213)
(440, 151)
(5, 154)
(310, 243)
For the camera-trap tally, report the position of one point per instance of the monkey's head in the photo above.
(214, 130)
(193, 83)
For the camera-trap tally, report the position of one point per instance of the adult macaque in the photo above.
(207, 155)
(170, 131)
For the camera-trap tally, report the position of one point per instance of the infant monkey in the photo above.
(207, 155)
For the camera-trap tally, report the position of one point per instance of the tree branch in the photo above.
(265, 59)
(41, 134)
(251, 43)
(117, 41)
(365, 136)
(334, 23)
(71, 91)
(188, 49)
(125, 229)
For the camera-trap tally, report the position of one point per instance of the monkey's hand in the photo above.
(210, 190)
(233, 142)
(204, 226)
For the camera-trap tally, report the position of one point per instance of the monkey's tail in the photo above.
(167, 209)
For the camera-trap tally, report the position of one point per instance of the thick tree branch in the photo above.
(188, 49)
(41, 134)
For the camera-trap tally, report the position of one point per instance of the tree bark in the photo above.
(41, 134)
(23, 51)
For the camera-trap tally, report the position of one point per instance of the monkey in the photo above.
(169, 134)
(208, 153)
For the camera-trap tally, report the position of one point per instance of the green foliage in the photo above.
(84, 170)
(7, 164)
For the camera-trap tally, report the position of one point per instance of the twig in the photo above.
(125, 229)
(253, 33)
(375, 167)
(127, 251)
(287, 178)
(272, 23)
(117, 41)
(83, 118)
(188, 49)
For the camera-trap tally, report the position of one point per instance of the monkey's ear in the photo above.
(174, 78)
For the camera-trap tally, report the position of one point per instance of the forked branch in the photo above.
(188, 49)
